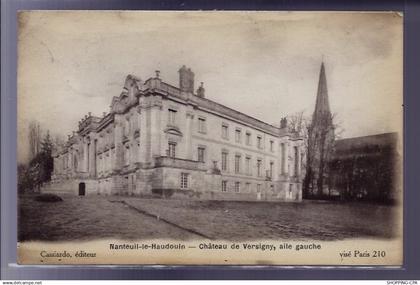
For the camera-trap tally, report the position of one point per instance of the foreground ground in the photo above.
(94, 217)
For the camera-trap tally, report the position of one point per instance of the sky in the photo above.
(264, 64)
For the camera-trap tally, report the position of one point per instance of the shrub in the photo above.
(48, 198)
(163, 193)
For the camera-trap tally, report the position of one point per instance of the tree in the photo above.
(318, 149)
(42, 165)
(298, 123)
(24, 179)
(34, 139)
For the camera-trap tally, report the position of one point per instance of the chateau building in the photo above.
(163, 140)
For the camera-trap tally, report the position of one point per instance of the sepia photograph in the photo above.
(260, 138)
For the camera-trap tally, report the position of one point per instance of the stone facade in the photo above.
(167, 141)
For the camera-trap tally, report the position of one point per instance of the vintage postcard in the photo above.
(257, 138)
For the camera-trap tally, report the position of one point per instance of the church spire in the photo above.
(320, 142)
(322, 105)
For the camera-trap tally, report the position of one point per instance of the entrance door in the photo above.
(82, 189)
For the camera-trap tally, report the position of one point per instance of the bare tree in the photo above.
(319, 149)
(59, 141)
(34, 139)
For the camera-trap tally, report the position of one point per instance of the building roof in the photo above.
(155, 84)
(207, 104)
(380, 140)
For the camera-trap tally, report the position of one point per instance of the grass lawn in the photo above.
(89, 217)
(94, 217)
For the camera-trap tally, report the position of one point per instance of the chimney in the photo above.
(201, 91)
(186, 79)
(283, 123)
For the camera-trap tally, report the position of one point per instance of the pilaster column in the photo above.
(287, 161)
(145, 134)
(92, 158)
(71, 164)
(119, 151)
(299, 162)
(139, 154)
(156, 129)
(85, 156)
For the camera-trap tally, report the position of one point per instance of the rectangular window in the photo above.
(272, 146)
(171, 149)
(224, 186)
(225, 132)
(271, 169)
(248, 165)
(238, 135)
(258, 188)
(184, 180)
(224, 161)
(259, 167)
(172, 117)
(296, 160)
(202, 125)
(283, 158)
(237, 163)
(259, 142)
(237, 189)
(200, 154)
(248, 138)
